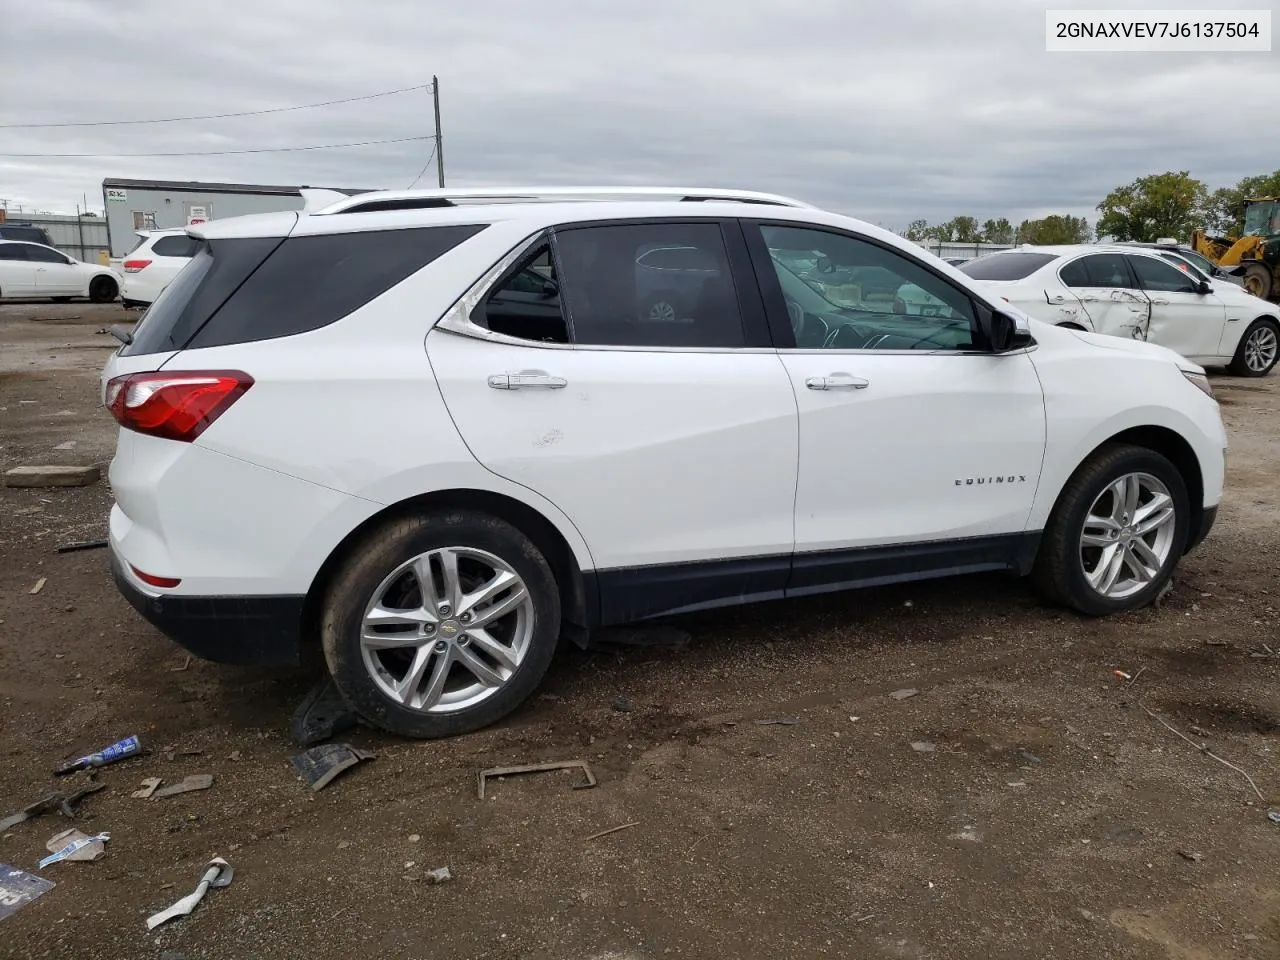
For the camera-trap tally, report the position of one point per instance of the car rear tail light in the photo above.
(133, 266)
(176, 406)
(153, 579)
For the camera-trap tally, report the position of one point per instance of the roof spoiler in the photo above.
(314, 198)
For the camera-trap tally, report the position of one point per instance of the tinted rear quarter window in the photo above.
(175, 246)
(1006, 266)
(312, 281)
(187, 303)
(244, 290)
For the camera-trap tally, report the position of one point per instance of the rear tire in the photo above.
(1258, 280)
(103, 290)
(1093, 506)
(406, 658)
(1258, 350)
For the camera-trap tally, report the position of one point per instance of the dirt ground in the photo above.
(1052, 817)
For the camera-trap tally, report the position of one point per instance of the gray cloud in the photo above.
(924, 108)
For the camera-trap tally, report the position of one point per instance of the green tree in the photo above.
(917, 230)
(1054, 229)
(1224, 210)
(997, 231)
(1160, 205)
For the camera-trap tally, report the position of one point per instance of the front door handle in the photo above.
(526, 380)
(1160, 300)
(837, 381)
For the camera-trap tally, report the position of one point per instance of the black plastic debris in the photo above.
(324, 714)
(319, 765)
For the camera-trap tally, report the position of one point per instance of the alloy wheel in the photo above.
(446, 629)
(1260, 349)
(1128, 535)
(663, 312)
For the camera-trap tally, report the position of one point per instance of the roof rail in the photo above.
(421, 199)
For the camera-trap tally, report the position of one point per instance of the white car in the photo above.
(363, 430)
(34, 271)
(149, 267)
(1135, 292)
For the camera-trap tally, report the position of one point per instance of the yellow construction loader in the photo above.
(1257, 251)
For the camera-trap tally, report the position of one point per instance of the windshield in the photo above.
(1262, 219)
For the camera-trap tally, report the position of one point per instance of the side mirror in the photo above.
(1005, 334)
(1204, 287)
(549, 290)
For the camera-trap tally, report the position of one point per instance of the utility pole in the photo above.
(435, 96)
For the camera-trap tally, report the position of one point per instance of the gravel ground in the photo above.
(1046, 815)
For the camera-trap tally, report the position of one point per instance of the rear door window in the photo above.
(13, 251)
(1097, 270)
(1006, 266)
(526, 302)
(617, 296)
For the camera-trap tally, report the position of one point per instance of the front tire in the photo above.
(1116, 533)
(102, 290)
(441, 624)
(1258, 350)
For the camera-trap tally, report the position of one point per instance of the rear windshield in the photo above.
(242, 290)
(1006, 266)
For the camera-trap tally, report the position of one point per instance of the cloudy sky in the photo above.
(886, 111)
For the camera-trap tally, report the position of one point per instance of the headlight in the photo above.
(1200, 382)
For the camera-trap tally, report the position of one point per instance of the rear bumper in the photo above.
(1207, 518)
(248, 631)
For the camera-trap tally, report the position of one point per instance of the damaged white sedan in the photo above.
(1127, 292)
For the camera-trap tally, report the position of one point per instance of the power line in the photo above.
(431, 156)
(210, 116)
(210, 153)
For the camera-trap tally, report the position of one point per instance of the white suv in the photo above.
(151, 265)
(431, 433)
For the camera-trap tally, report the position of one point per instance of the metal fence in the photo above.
(84, 238)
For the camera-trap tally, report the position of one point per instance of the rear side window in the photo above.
(311, 282)
(526, 302)
(1006, 266)
(13, 251)
(616, 297)
(177, 245)
(1097, 270)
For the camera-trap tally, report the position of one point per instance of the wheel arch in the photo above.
(1174, 448)
(575, 603)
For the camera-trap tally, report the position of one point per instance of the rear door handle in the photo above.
(1160, 301)
(837, 381)
(526, 380)
(1056, 298)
